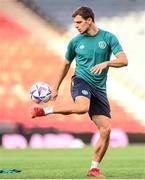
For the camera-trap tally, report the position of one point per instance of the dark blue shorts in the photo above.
(99, 104)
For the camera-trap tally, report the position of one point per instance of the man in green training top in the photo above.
(91, 49)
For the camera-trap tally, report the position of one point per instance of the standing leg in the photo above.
(104, 126)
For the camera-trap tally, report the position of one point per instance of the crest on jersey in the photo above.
(102, 44)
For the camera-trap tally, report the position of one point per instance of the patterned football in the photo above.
(40, 92)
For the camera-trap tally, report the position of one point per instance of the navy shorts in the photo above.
(99, 104)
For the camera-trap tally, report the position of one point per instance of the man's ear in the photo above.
(89, 20)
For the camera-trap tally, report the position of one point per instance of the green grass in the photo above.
(119, 163)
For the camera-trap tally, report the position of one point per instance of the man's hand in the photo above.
(98, 68)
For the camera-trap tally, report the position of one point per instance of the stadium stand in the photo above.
(26, 59)
(59, 12)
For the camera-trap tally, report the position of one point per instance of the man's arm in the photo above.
(62, 72)
(120, 61)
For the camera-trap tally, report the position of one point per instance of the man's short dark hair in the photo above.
(85, 12)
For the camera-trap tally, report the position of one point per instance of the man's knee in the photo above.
(105, 131)
(82, 109)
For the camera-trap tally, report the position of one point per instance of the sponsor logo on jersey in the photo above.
(102, 44)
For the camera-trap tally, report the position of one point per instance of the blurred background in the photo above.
(33, 39)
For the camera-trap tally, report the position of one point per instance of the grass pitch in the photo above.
(119, 163)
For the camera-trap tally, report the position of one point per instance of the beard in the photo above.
(85, 31)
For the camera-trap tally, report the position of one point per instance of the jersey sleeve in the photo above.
(70, 52)
(115, 45)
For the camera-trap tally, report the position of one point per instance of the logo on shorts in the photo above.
(102, 44)
(72, 83)
(85, 92)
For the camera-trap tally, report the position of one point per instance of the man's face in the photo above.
(81, 24)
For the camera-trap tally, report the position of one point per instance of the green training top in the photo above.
(89, 51)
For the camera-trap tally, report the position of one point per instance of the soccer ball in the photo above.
(40, 92)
